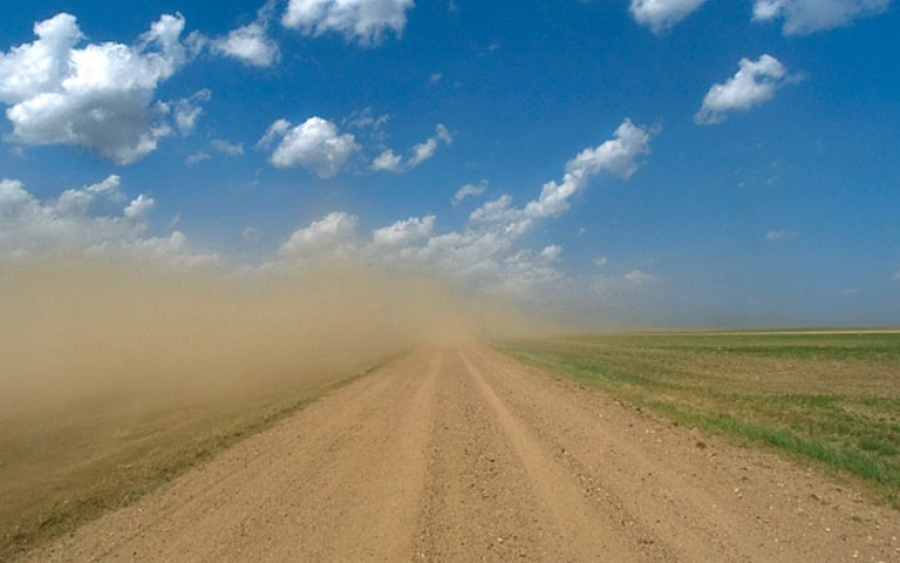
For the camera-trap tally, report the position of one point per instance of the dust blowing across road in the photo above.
(461, 454)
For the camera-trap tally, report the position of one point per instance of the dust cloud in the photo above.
(116, 374)
(81, 330)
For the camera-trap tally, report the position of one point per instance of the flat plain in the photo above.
(460, 453)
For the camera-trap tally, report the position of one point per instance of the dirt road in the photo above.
(460, 454)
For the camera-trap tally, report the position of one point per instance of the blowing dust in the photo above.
(109, 363)
(76, 331)
(115, 374)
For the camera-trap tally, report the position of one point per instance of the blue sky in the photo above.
(634, 163)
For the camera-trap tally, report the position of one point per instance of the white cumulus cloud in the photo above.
(662, 15)
(469, 190)
(363, 20)
(249, 44)
(139, 207)
(803, 17)
(390, 161)
(100, 96)
(405, 232)
(620, 156)
(754, 83)
(333, 234)
(425, 150)
(315, 144)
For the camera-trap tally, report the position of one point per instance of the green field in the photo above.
(830, 396)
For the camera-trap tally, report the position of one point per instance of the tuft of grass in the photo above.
(872, 444)
(829, 397)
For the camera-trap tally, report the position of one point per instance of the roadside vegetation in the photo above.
(60, 471)
(833, 397)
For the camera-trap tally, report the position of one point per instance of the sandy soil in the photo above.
(461, 454)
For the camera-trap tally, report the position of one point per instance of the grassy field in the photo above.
(830, 396)
(60, 470)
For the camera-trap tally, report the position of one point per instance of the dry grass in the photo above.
(59, 471)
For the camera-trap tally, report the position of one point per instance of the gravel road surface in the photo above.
(461, 454)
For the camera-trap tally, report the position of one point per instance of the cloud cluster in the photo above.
(754, 83)
(803, 17)
(662, 15)
(316, 144)
(389, 161)
(93, 219)
(485, 252)
(363, 20)
(100, 96)
(79, 218)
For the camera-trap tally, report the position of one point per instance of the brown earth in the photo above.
(461, 454)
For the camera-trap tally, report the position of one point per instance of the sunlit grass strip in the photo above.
(643, 390)
(846, 460)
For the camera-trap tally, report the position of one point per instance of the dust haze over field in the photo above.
(117, 374)
(77, 330)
